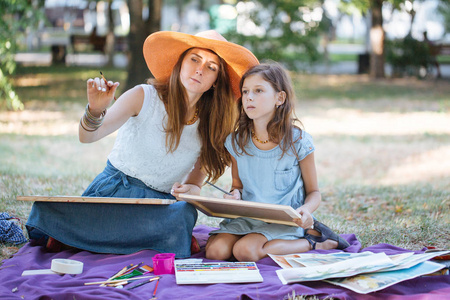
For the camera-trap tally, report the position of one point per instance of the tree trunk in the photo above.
(179, 6)
(110, 37)
(377, 40)
(155, 7)
(139, 30)
(413, 16)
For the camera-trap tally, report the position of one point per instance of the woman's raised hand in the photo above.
(100, 94)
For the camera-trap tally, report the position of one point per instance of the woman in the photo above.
(171, 136)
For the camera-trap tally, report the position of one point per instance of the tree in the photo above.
(377, 34)
(377, 37)
(110, 36)
(284, 30)
(110, 40)
(16, 17)
(139, 30)
(444, 10)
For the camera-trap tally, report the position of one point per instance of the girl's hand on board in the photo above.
(235, 195)
(190, 189)
(307, 220)
(100, 94)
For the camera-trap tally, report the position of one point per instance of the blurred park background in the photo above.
(371, 78)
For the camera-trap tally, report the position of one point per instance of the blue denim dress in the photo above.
(116, 228)
(268, 177)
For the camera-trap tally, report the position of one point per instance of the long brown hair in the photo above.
(217, 113)
(280, 128)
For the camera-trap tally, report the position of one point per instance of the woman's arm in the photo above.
(128, 105)
(193, 183)
(313, 196)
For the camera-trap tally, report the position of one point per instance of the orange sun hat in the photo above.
(163, 48)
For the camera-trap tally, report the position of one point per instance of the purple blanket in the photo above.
(98, 267)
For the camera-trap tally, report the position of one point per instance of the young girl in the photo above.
(171, 134)
(272, 162)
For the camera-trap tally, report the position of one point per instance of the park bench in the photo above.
(438, 50)
(77, 43)
(82, 43)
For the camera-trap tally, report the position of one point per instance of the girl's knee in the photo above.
(245, 252)
(216, 252)
(245, 255)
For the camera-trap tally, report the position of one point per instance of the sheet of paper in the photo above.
(312, 259)
(405, 262)
(371, 282)
(345, 268)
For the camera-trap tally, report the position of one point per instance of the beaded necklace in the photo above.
(194, 118)
(258, 140)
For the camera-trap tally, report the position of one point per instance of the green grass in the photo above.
(59, 83)
(410, 216)
(360, 87)
(357, 41)
(443, 59)
(381, 149)
(339, 57)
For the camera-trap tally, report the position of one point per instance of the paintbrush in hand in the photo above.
(213, 185)
(106, 82)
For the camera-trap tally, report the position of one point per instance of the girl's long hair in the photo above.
(280, 128)
(217, 114)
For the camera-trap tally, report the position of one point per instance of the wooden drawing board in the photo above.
(226, 208)
(76, 199)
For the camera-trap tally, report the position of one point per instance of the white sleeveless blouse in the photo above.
(140, 147)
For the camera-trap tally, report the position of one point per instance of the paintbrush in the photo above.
(115, 281)
(120, 283)
(106, 82)
(129, 269)
(154, 291)
(135, 271)
(213, 185)
(123, 270)
(142, 283)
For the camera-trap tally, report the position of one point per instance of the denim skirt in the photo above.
(116, 228)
